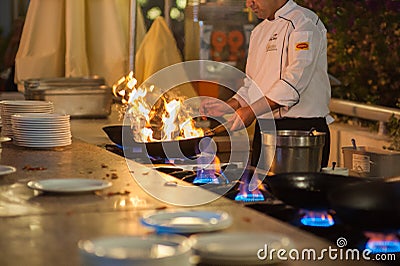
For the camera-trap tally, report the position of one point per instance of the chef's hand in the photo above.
(212, 107)
(242, 118)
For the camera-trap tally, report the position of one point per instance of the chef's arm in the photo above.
(234, 103)
(246, 115)
(264, 105)
(261, 106)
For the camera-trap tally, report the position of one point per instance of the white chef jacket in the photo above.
(287, 61)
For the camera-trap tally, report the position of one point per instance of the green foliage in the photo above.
(363, 48)
(394, 133)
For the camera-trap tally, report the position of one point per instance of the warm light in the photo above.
(189, 130)
(176, 14)
(130, 202)
(153, 13)
(167, 119)
(181, 4)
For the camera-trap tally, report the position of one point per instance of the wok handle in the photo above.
(216, 130)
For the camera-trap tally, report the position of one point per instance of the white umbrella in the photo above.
(72, 38)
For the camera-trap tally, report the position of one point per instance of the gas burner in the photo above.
(208, 179)
(316, 218)
(250, 192)
(382, 242)
(250, 197)
(209, 176)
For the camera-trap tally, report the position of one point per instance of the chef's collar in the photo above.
(286, 8)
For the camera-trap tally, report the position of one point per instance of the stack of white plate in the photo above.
(10, 107)
(41, 130)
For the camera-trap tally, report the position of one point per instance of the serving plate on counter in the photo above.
(187, 222)
(5, 169)
(69, 185)
(239, 248)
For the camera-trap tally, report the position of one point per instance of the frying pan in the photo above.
(160, 149)
(371, 205)
(308, 190)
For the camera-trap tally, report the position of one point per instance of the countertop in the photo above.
(43, 229)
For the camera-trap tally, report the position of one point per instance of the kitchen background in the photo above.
(363, 53)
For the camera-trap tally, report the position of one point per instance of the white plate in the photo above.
(21, 103)
(34, 109)
(239, 248)
(5, 169)
(40, 130)
(29, 127)
(69, 185)
(56, 136)
(40, 116)
(8, 112)
(155, 250)
(50, 144)
(186, 222)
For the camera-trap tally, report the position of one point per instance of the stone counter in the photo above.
(43, 229)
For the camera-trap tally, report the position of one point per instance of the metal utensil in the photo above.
(353, 142)
(311, 131)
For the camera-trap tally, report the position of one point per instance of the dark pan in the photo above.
(372, 205)
(114, 133)
(160, 149)
(307, 190)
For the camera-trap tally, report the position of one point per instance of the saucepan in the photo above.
(370, 205)
(308, 190)
(161, 149)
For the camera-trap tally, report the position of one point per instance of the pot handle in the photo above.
(311, 132)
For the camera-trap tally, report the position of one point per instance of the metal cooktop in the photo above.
(323, 223)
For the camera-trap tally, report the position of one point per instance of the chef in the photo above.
(287, 63)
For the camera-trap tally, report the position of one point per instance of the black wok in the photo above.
(307, 190)
(371, 205)
(123, 136)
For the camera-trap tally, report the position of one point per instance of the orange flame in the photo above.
(373, 236)
(323, 215)
(244, 191)
(167, 119)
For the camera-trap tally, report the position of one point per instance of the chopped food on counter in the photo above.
(31, 168)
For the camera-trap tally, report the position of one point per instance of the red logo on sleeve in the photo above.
(302, 46)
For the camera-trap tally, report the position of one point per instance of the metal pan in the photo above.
(157, 149)
(308, 190)
(371, 205)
